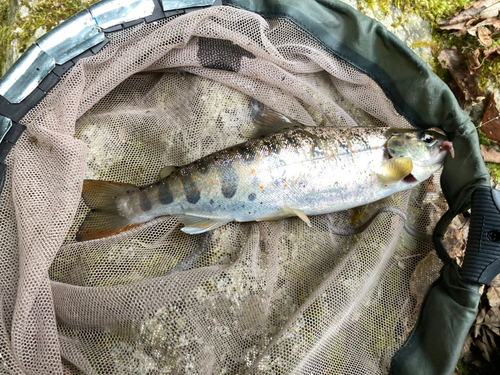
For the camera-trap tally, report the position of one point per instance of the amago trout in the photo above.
(298, 171)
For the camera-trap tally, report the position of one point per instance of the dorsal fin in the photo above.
(267, 121)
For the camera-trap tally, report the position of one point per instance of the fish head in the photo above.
(426, 148)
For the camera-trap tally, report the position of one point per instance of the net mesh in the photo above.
(254, 298)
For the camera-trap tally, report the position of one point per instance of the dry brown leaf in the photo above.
(490, 51)
(490, 10)
(485, 349)
(461, 26)
(493, 296)
(480, 9)
(491, 120)
(491, 336)
(490, 155)
(473, 61)
(454, 61)
(484, 36)
(479, 320)
(495, 281)
(492, 320)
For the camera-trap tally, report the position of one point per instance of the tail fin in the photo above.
(104, 219)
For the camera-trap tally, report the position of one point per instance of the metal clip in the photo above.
(108, 13)
(5, 125)
(183, 4)
(71, 38)
(26, 74)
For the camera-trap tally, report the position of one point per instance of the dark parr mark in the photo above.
(164, 194)
(252, 197)
(229, 180)
(190, 189)
(145, 203)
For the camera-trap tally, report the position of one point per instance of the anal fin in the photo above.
(297, 212)
(197, 225)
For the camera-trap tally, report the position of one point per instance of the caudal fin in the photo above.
(103, 220)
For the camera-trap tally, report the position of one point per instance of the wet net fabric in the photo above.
(253, 298)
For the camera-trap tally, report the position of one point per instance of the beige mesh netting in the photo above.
(253, 298)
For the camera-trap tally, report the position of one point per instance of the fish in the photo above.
(284, 170)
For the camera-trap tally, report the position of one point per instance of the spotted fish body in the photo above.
(298, 172)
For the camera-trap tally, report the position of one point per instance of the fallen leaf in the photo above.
(495, 281)
(491, 120)
(492, 320)
(461, 26)
(490, 10)
(491, 336)
(490, 51)
(479, 320)
(485, 349)
(484, 36)
(454, 61)
(480, 9)
(490, 155)
(473, 61)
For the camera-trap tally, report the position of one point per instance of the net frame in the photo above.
(47, 139)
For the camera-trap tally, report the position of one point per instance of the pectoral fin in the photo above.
(394, 170)
(197, 225)
(296, 212)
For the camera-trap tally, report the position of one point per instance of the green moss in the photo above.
(494, 170)
(432, 10)
(43, 13)
(483, 140)
(435, 11)
(4, 31)
(398, 23)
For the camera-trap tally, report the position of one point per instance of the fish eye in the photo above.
(427, 138)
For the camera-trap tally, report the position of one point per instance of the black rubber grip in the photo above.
(482, 255)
